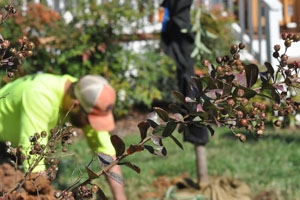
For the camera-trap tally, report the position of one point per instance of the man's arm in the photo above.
(117, 189)
(100, 142)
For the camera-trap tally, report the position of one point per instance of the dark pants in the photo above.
(197, 135)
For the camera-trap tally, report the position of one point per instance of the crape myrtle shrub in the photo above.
(228, 95)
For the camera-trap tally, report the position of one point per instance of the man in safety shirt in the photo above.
(33, 104)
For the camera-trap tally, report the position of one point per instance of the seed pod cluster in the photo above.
(44, 146)
(11, 57)
(227, 64)
(286, 68)
(83, 192)
(287, 106)
(16, 152)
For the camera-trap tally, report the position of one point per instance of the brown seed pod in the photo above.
(242, 45)
(242, 137)
(276, 47)
(244, 122)
(278, 123)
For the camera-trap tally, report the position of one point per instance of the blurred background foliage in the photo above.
(97, 40)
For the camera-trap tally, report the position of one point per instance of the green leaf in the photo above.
(175, 108)
(182, 128)
(176, 141)
(169, 129)
(211, 35)
(195, 52)
(208, 82)
(287, 81)
(92, 175)
(179, 96)
(132, 166)
(203, 48)
(251, 74)
(209, 106)
(162, 113)
(270, 92)
(248, 93)
(211, 130)
(118, 144)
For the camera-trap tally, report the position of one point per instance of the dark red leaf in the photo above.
(251, 74)
(134, 148)
(143, 127)
(118, 144)
(149, 148)
(270, 69)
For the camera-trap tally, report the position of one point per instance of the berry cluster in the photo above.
(41, 148)
(10, 9)
(287, 107)
(11, 58)
(240, 114)
(227, 64)
(289, 72)
(64, 195)
(81, 192)
(287, 69)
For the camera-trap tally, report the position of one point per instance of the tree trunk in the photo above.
(201, 164)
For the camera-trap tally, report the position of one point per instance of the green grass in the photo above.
(271, 163)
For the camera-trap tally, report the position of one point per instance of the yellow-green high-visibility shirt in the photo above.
(32, 104)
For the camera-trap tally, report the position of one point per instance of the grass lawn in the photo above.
(270, 164)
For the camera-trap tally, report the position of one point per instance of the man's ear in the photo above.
(76, 102)
(71, 90)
